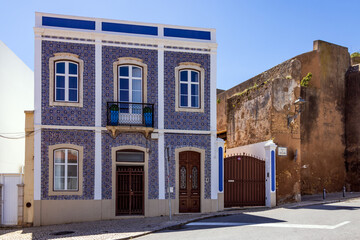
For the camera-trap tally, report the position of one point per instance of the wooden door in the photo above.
(189, 182)
(244, 180)
(129, 190)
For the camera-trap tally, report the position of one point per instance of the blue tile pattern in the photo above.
(135, 139)
(185, 120)
(76, 137)
(190, 140)
(69, 116)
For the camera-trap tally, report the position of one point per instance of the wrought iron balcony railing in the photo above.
(130, 114)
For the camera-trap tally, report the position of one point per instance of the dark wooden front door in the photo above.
(129, 190)
(189, 182)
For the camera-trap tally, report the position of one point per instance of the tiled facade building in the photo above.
(116, 104)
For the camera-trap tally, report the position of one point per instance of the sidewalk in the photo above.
(130, 228)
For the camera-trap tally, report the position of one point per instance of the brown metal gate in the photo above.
(244, 181)
(130, 190)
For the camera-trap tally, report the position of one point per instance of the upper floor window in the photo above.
(130, 83)
(65, 169)
(189, 87)
(130, 80)
(66, 80)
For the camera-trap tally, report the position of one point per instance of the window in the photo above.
(189, 87)
(65, 169)
(130, 80)
(66, 80)
(129, 156)
(130, 88)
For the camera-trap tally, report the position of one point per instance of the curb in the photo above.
(240, 210)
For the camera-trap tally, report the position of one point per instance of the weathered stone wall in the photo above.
(315, 140)
(322, 121)
(352, 163)
(261, 113)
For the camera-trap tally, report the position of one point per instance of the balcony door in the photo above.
(130, 94)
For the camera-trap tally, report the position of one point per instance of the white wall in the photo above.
(256, 149)
(16, 95)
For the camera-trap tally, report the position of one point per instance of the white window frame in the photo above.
(51, 152)
(189, 83)
(131, 78)
(129, 61)
(66, 164)
(65, 57)
(67, 76)
(190, 66)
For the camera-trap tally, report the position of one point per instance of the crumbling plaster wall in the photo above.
(261, 113)
(322, 121)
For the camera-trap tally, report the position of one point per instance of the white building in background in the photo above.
(16, 96)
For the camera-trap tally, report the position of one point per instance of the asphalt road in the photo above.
(329, 221)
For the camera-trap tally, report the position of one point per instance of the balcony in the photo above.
(130, 117)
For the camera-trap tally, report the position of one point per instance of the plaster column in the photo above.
(270, 171)
(220, 175)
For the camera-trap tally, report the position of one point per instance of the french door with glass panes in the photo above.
(130, 94)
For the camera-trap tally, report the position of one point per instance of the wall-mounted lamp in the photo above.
(299, 103)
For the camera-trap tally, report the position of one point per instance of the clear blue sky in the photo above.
(253, 36)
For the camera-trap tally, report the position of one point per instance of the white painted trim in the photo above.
(98, 83)
(180, 131)
(140, 39)
(161, 104)
(98, 114)
(214, 168)
(86, 128)
(213, 72)
(37, 115)
(127, 46)
(37, 164)
(71, 127)
(98, 169)
(161, 160)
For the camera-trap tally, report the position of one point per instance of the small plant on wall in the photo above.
(355, 54)
(306, 80)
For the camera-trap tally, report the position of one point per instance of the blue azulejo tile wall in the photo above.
(134, 139)
(69, 116)
(86, 139)
(174, 141)
(110, 54)
(185, 120)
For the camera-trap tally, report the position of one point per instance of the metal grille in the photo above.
(244, 178)
(130, 114)
(130, 191)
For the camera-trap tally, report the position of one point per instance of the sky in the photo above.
(252, 35)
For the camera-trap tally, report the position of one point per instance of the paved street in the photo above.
(306, 219)
(329, 221)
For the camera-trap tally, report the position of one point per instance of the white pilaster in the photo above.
(98, 112)
(161, 141)
(214, 163)
(270, 171)
(37, 114)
